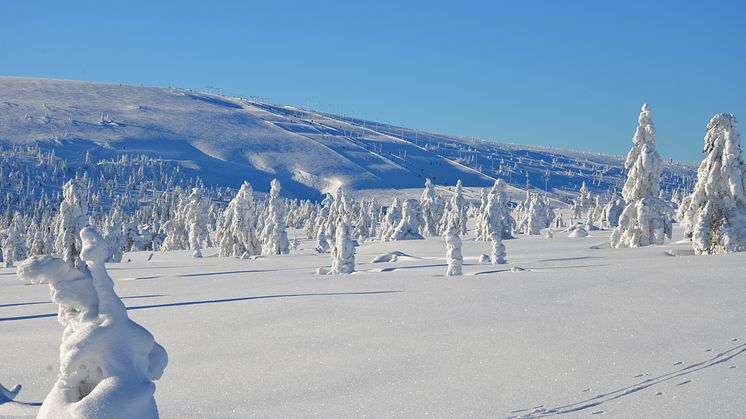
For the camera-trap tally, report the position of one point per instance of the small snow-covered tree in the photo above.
(343, 253)
(322, 244)
(714, 215)
(646, 218)
(453, 246)
(391, 220)
(114, 238)
(72, 218)
(460, 207)
(431, 212)
(275, 236)
(535, 218)
(197, 218)
(495, 228)
(107, 362)
(238, 227)
(409, 226)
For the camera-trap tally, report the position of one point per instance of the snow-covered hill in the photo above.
(226, 140)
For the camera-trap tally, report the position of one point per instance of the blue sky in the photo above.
(569, 74)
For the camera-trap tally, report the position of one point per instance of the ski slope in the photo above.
(226, 140)
(581, 330)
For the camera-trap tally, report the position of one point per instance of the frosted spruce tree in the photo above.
(646, 219)
(409, 226)
(431, 212)
(107, 362)
(72, 218)
(196, 218)
(714, 215)
(391, 220)
(275, 235)
(460, 207)
(343, 252)
(114, 238)
(495, 228)
(535, 218)
(453, 247)
(238, 226)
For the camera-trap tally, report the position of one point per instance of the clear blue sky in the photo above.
(568, 74)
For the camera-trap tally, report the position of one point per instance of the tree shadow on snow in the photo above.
(223, 300)
(31, 303)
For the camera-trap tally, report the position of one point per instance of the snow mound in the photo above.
(390, 257)
(107, 362)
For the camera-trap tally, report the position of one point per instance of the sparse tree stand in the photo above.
(714, 215)
(646, 218)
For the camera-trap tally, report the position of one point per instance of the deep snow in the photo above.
(582, 329)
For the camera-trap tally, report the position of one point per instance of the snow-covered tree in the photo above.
(238, 234)
(431, 209)
(714, 215)
(646, 218)
(275, 237)
(197, 218)
(453, 246)
(495, 228)
(535, 218)
(391, 220)
(107, 362)
(409, 226)
(114, 238)
(322, 244)
(343, 253)
(459, 206)
(72, 218)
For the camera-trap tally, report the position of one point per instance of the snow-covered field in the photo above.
(580, 329)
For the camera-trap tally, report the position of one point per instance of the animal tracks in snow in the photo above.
(594, 402)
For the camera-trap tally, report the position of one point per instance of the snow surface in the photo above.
(567, 326)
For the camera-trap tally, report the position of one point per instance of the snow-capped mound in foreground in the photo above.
(107, 362)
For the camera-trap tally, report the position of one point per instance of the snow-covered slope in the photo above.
(228, 140)
(225, 140)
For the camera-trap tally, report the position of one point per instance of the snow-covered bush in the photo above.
(107, 362)
(714, 215)
(646, 219)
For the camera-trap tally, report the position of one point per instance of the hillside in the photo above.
(227, 140)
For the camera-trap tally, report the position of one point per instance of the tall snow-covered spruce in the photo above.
(238, 227)
(714, 215)
(343, 253)
(646, 219)
(72, 218)
(275, 236)
(453, 246)
(107, 362)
